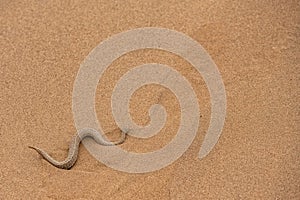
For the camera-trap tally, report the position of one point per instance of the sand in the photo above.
(255, 45)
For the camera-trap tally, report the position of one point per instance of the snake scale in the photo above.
(69, 162)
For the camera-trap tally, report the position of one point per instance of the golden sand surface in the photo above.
(255, 45)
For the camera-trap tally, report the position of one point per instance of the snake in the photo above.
(71, 159)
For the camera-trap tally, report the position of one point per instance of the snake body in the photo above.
(69, 162)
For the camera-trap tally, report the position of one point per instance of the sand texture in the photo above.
(255, 45)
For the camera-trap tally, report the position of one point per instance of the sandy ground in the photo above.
(255, 45)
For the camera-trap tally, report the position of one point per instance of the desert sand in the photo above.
(255, 45)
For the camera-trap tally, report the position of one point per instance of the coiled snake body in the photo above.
(74, 145)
